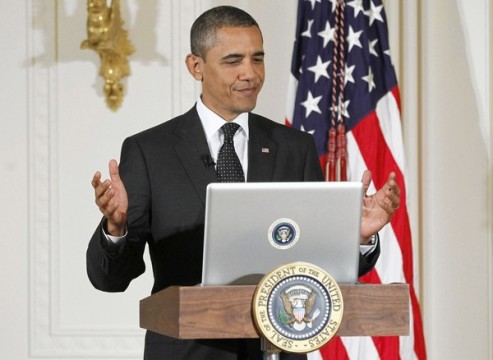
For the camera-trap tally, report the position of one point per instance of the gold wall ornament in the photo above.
(106, 36)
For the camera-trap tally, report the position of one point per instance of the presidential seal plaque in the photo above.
(298, 307)
(283, 234)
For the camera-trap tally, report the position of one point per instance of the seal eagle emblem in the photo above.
(298, 307)
(298, 303)
(283, 233)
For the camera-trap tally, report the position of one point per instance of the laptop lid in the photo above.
(252, 228)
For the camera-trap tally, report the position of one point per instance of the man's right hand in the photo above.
(111, 198)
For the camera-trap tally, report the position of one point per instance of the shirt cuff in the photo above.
(367, 249)
(117, 240)
(113, 242)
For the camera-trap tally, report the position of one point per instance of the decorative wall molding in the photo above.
(489, 117)
(187, 90)
(47, 337)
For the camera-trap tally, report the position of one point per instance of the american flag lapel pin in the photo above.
(265, 150)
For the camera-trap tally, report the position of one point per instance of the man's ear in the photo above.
(193, 63)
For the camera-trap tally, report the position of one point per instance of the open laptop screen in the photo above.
(252, 228)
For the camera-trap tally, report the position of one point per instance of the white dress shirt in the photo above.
(211, 122)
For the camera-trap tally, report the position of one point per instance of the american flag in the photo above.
(342, 73)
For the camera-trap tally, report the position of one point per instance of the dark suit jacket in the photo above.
(165, 177)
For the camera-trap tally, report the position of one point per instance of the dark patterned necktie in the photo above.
(228, 166)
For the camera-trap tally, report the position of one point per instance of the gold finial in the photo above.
(106, 36)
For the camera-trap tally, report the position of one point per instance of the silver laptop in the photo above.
(252, 228)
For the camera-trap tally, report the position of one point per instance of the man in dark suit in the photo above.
(156, 196)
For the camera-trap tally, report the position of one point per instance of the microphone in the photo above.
(207, 160)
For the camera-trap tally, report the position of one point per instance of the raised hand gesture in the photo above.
(379, 207)
(111, 198)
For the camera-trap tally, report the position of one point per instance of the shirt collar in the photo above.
(211, 122)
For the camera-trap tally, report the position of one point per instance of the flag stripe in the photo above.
(335, 349)
(380, 157)
(380, 161)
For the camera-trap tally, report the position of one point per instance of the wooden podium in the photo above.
(225, 312)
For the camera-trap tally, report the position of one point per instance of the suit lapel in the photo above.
(262, 152)
(191, 148)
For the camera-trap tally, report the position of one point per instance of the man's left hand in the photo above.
(379, 207)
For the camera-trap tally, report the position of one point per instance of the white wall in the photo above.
(456, 178)
(14, 183)
(56, 131)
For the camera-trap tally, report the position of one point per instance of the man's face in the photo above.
(233, 72)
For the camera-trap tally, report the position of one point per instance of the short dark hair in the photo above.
(203, 32)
